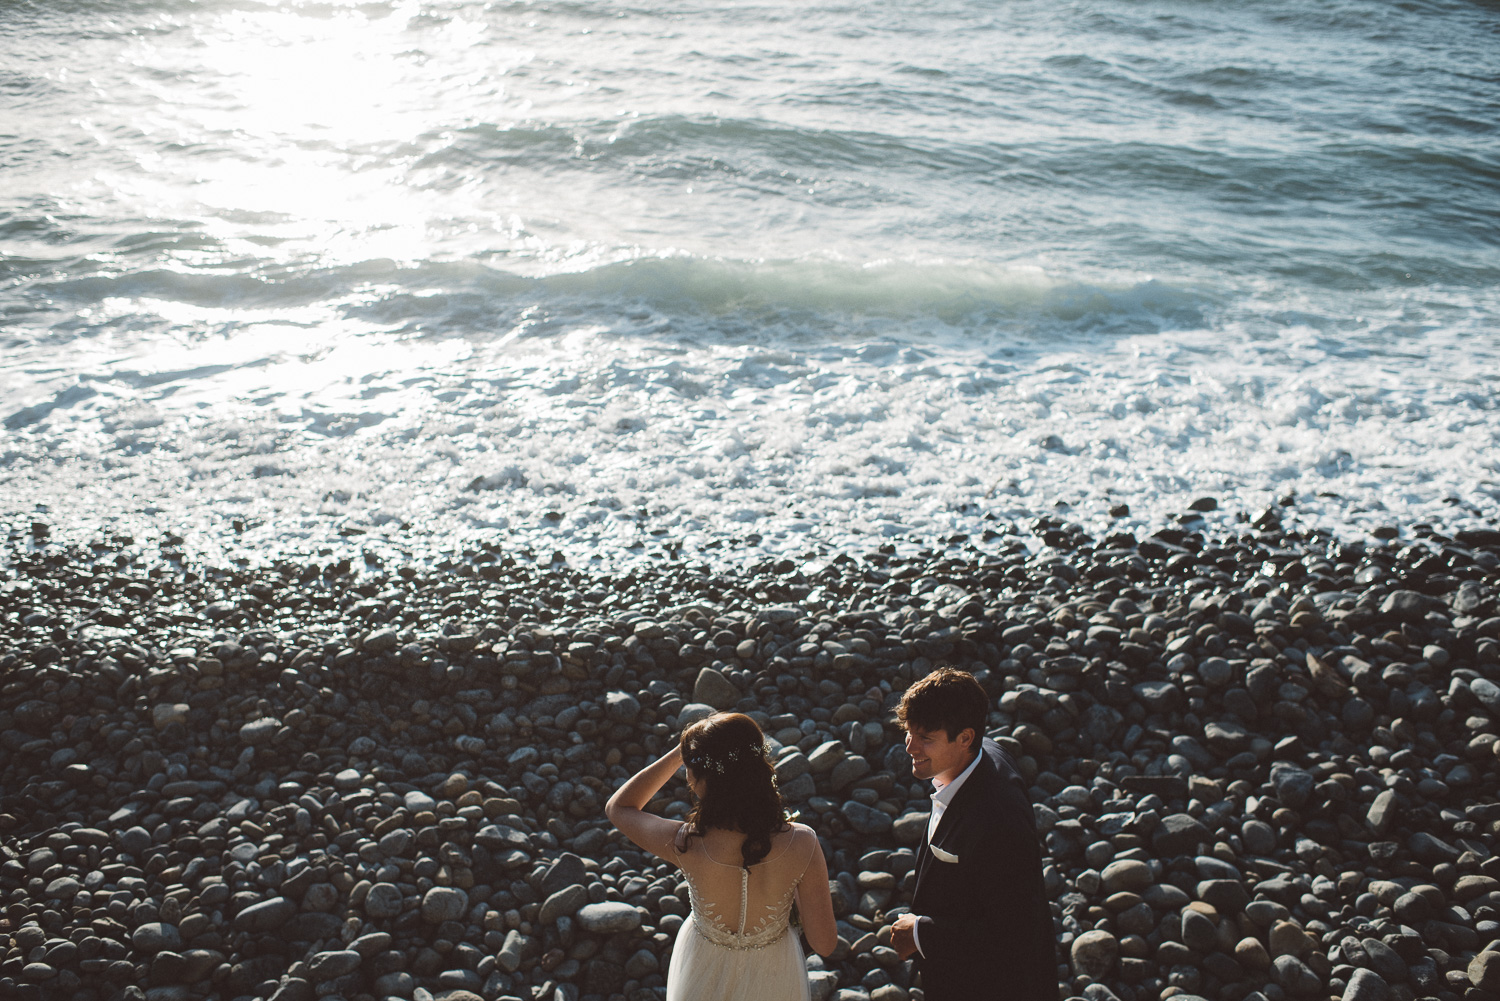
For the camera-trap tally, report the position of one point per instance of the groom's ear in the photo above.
(966, 737)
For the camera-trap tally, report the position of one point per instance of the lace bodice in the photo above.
(759, 913)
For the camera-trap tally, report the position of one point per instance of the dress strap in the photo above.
(744, 896)
(815, 847)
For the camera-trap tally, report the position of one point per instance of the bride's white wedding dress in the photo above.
(738, 944)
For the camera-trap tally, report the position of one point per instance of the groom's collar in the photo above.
(946, 793)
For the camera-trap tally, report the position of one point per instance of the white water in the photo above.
(754, 278)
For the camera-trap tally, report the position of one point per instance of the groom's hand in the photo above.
(903, 936)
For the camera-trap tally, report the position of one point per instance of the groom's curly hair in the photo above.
(728, 752)
(947, 699)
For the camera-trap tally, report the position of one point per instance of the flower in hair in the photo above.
(720, 762)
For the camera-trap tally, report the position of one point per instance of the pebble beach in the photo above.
(1264, 766)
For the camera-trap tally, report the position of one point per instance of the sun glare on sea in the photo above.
(303, 122)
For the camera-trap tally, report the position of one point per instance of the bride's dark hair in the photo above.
(727, 752)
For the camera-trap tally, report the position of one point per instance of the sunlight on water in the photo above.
(811, 270)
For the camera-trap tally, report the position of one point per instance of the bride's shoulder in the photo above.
(801, 831)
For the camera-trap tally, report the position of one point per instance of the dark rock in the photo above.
(1179, 834)
(1366, 985)
(265, 915)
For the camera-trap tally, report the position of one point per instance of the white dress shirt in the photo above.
(942, 796)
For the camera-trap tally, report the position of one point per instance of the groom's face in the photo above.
(933, 755)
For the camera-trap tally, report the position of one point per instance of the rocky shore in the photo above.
(1264, 766)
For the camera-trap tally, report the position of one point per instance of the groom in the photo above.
(980, 925)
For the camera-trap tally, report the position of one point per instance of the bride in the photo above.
(744, 862)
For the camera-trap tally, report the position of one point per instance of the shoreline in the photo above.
(403, 770)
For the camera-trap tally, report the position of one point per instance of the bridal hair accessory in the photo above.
(720, 762)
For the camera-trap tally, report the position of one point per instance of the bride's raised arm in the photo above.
(626, 808)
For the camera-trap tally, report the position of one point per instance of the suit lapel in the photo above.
(965, 795)
(953, 814)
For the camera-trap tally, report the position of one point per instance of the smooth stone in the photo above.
(1484, 971)
(792, 766)
(563, 903)
(621, 707)
(1198, 931)
(163, 716)
(154, 936)
(417, 801)
(1385, 961)
(1130, 875)
(395, 843)
(399, 985)
(511, 951)
(1226, 738)
(380, 641)
(1294, 976)
(1258, 836)
(1179, 834)
(1094, 954)
(826, 755)
(1382, 812)
(1293, 785)
(293, 989)
(1228, 896)
(1216, 672)
(1366, 985)
(383, 901)
(444, 903)
(267, 915)
(1488, 694)
(866, 819)
(1252, 955)
(63, 887)
(566, 871)
(713, 689)
(1404, 604)
(1288, 939)
(692, 713)
(135, 840)
(328, 965)
(911, 827)
(259, 731)
(1432, 850)
(1158, 696)
(609, 917)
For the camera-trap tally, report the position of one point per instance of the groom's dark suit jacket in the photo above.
(983, 921)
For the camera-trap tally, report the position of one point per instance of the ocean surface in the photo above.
(630, 279)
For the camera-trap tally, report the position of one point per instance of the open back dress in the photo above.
(738, 944)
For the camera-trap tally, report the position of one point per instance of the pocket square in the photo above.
(941, 855)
